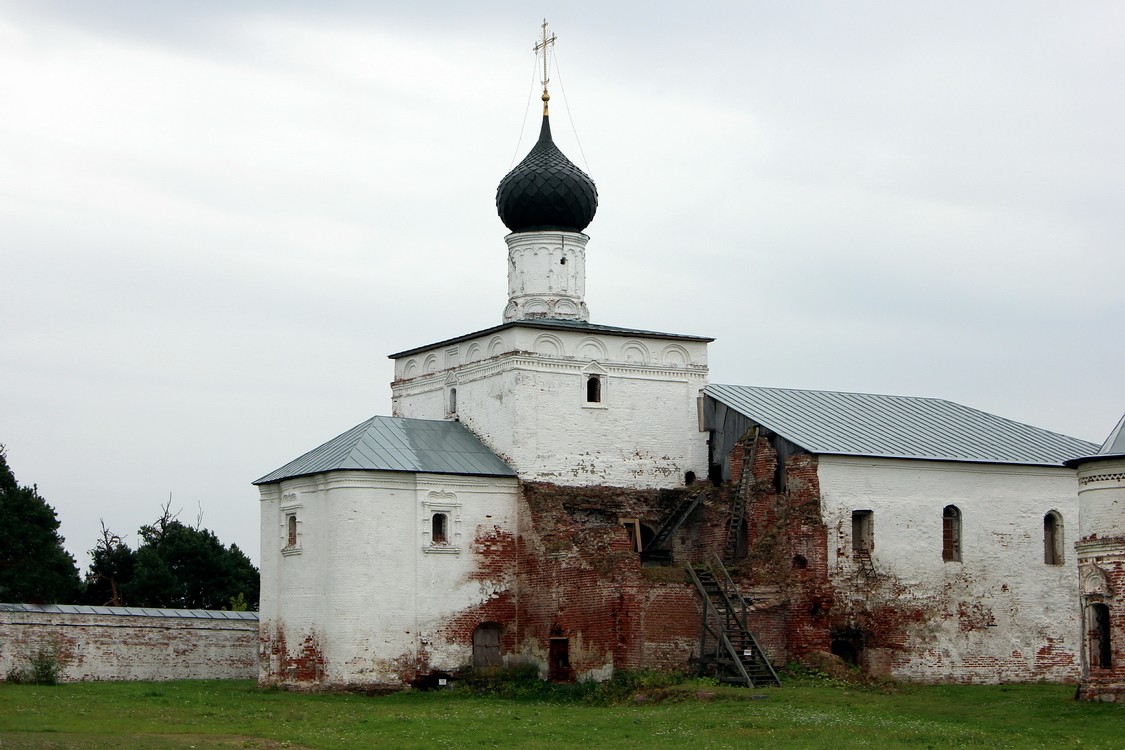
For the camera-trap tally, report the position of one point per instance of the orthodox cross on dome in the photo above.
(543, 44)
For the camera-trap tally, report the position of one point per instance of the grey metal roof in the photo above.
(863, 424)
(82, 609)
(557, 325)
(1114, 445)
(398, 444)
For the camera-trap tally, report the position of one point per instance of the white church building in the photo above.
(541, 483)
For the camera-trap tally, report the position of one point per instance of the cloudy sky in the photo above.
(218, 218)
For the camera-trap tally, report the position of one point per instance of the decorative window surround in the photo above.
(441, 502)
(290, 509)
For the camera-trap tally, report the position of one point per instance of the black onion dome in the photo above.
(546, 191)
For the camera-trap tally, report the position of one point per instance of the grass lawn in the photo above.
(236, 714)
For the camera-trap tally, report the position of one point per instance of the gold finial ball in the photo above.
(546, 96)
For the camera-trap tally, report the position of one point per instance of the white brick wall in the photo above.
(987, 618)
(366, 588)
(523, 392)
(1101, 493)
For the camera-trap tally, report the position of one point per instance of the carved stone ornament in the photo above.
(1093, 580)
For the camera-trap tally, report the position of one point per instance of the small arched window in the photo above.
(291, 524)
(1052, 538)
(452, 400)
(439, 529)
(593, 390)
(951, 534)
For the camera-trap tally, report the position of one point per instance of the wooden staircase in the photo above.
(654, 550)
(728, 650)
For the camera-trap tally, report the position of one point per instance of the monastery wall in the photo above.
(371, 589)
(1002, 611)
(119, 643)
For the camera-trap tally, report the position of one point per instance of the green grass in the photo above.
(807, 713)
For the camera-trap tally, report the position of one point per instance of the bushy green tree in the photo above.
(111, 566)
(181, 566)
(34, 565)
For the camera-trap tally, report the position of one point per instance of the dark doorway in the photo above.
(1101, 651)
(848, 645)
(558, 657)
(742, 541)
(486, 645)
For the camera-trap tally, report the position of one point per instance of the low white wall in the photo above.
(128, 643)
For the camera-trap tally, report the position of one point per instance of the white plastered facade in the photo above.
(546, 276)
(1000, 613)
(363, 587)
(523, 391)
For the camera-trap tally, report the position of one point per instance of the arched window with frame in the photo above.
(439, 528)
(593, 390)
(951, 534)
(452, 400)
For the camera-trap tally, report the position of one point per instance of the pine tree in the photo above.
(34, 565)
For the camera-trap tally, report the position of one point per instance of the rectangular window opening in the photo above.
(863, 531)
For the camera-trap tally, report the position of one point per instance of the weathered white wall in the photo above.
(1101, 492)
(523, 392)
(1002, 613)
(116, 645)
(546, 275)
(364, 597)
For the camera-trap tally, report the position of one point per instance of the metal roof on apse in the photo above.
(82, 609)
(397, 444)
(553, 324)
(863, 424)
(1114, 445)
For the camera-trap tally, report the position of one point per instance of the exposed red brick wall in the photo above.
(1098, 682)
(786, 559)
(498, 554)
(303, 666)
(581, 578)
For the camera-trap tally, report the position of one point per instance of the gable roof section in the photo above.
(863, 424)
(1114, 445)
(395, 444)
(1112, 448)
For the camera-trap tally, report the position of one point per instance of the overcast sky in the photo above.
(218, 218)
